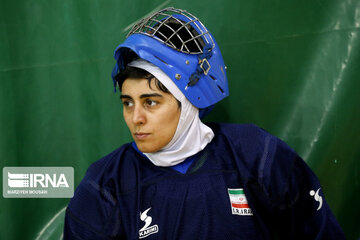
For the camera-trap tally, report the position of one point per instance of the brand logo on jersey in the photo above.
(317, 198)
(239, 204)
(147, 230)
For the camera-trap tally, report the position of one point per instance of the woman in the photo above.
(180, 178)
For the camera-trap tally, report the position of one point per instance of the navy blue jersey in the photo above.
(246, 184)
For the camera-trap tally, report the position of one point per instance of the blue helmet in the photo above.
(180, 45)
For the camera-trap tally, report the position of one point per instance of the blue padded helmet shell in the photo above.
(198, 69)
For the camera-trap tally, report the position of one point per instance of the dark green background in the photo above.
(293, 69)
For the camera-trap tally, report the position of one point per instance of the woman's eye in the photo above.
(150, 103)
(128, 103)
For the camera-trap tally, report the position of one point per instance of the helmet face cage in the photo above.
(177, 29)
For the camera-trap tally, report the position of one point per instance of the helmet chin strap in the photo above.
(203, 67)
(191, 135)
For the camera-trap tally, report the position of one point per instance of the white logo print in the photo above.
(38, 182)
(16, 180)
(317, 198)
(147, 230)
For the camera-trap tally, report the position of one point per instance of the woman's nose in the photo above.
(139, 115)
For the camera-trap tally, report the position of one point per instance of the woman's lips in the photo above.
(141, 136)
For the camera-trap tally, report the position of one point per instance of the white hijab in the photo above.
(191, 135)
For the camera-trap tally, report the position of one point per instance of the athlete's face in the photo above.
(150, 114)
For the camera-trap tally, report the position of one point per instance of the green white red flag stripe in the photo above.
(237, 198)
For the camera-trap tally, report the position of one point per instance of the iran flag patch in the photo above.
(239, 204)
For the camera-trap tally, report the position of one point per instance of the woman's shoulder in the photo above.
(109, 161)
(110, 171)
(241, 133)
(254, 148)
